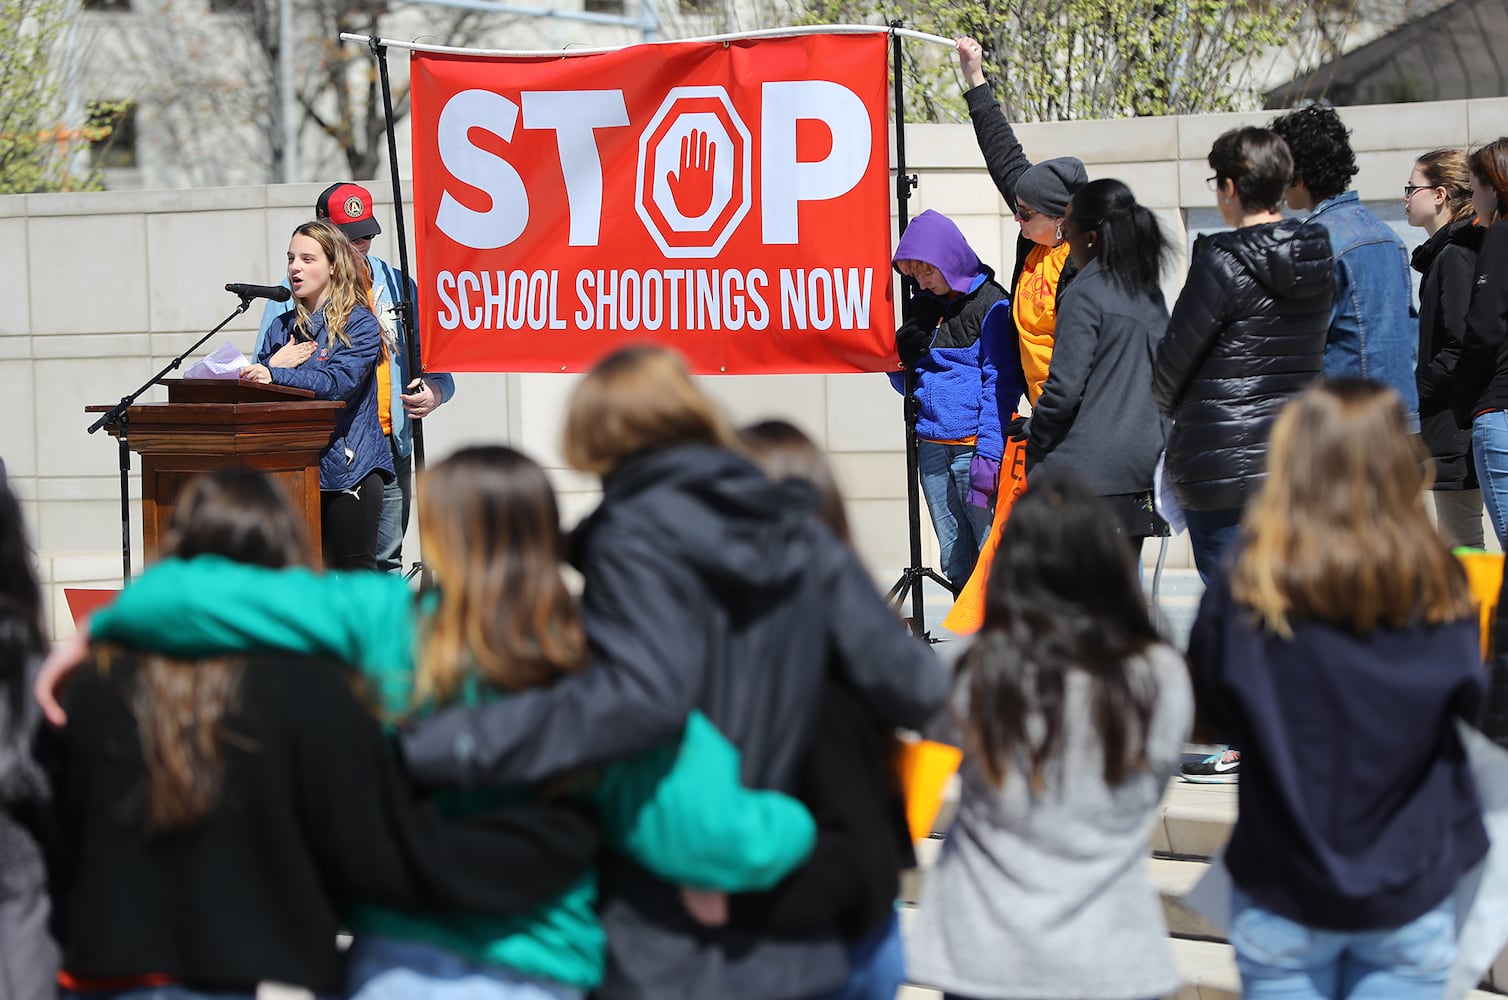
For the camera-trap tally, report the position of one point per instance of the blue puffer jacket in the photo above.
(339, 372)
(957, 383)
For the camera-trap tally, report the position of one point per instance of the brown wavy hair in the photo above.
(490, 532)
(1338, 533)
(180, 707)
(639, 399)
(1449, 169)
(350, 279)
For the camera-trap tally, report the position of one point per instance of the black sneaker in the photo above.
(1216, 769)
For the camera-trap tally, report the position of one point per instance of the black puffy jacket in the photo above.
(1248, 332)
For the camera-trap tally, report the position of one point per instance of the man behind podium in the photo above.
(402, 398)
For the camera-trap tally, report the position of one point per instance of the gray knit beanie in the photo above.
(1048, 185)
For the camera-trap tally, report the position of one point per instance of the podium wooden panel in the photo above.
(215, 424)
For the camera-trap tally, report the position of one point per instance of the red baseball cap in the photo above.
(349, 206)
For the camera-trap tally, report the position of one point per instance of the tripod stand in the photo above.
(915, 573)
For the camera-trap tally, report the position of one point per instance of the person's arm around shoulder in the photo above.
(1198, 317)
(1074, 344)
(209, 605)
(1003, 155)
(341, 373)
(681, 811)
(378, 843)
(648, 658)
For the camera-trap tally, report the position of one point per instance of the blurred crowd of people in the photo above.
(678, 782)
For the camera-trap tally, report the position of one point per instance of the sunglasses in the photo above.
(1409, 189)
(1026, 214)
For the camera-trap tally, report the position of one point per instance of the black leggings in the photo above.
(348, 521)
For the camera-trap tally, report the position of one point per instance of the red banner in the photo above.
(730, 201)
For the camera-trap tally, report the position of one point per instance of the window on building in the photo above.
(115, 123)
(699, 6)
(230, 6)
(118, 6)
(604, 6)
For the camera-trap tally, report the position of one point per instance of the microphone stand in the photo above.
(116, 417)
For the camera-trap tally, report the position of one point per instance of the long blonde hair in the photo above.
(350, 280)
(490, 531)
(1338, 532)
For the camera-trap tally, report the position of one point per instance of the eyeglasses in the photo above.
(1212, 182)
(1026, 214)
(1409, 189)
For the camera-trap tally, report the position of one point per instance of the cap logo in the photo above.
(354, 207)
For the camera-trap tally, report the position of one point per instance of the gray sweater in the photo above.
(1096, 414)
(1048, 896)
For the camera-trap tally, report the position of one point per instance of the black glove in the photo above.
(1016, 428)
(913, 340)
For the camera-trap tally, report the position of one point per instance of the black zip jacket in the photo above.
(1247, 334)
(1482, 372)
(1006, 162)
(1448, 262)
(314, 815)
(710, 587)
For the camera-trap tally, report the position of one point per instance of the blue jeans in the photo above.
(1210, 534)
(876, 966)
(396, 498)
(1283, 960)
(1489, 447)
(961, 527)
(383, 968)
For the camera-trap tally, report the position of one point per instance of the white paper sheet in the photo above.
(223, 362)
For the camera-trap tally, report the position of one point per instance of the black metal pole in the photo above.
(915, 574)
(406, 310)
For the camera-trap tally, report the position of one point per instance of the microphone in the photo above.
(276, 293)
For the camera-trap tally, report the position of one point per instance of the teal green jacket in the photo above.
(678, 810)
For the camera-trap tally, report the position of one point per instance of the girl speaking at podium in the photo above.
(330, 345)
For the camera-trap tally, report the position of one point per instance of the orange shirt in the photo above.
(383, 375)
(1036, 312)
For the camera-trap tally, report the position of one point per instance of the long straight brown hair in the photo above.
(180, 707)
(1062, 597)
(1338, 532)
(490, 531)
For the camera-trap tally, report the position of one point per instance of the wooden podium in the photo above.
(219, 423)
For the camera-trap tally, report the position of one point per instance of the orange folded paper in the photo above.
(924, 768)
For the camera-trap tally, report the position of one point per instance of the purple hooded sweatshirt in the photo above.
(934, 239)
(956, 380)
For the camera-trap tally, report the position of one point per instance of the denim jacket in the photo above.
(1374, 330)
(386, 285)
